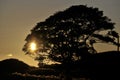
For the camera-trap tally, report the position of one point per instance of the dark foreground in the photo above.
(102, 66)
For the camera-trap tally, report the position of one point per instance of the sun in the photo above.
(33, 46)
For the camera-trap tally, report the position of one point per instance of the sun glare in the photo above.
(33, 46)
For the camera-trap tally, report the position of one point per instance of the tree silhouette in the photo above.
(70, 35)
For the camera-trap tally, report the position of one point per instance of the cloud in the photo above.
(10, 55)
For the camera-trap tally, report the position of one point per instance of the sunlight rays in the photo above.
(33, 46)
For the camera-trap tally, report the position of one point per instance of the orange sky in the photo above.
(18, 17)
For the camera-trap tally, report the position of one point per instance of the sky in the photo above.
(18, 17)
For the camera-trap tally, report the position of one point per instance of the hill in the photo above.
(9, 66)
(13, 69)
(101, 66)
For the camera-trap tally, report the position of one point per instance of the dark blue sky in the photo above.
(18, 17)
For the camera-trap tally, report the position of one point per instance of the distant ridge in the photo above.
(110, 57)
(13, 65)
(101, 66)
(110, 52)
(9, 66)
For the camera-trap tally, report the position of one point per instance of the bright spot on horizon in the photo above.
(33, 46)
(10, 55)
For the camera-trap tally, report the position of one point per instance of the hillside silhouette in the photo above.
(101, 66)
(9, 66)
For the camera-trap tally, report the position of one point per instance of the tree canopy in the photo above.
(69, 35)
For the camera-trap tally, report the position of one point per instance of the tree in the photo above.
(70, 35)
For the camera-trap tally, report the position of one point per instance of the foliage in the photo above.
(70, 34)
